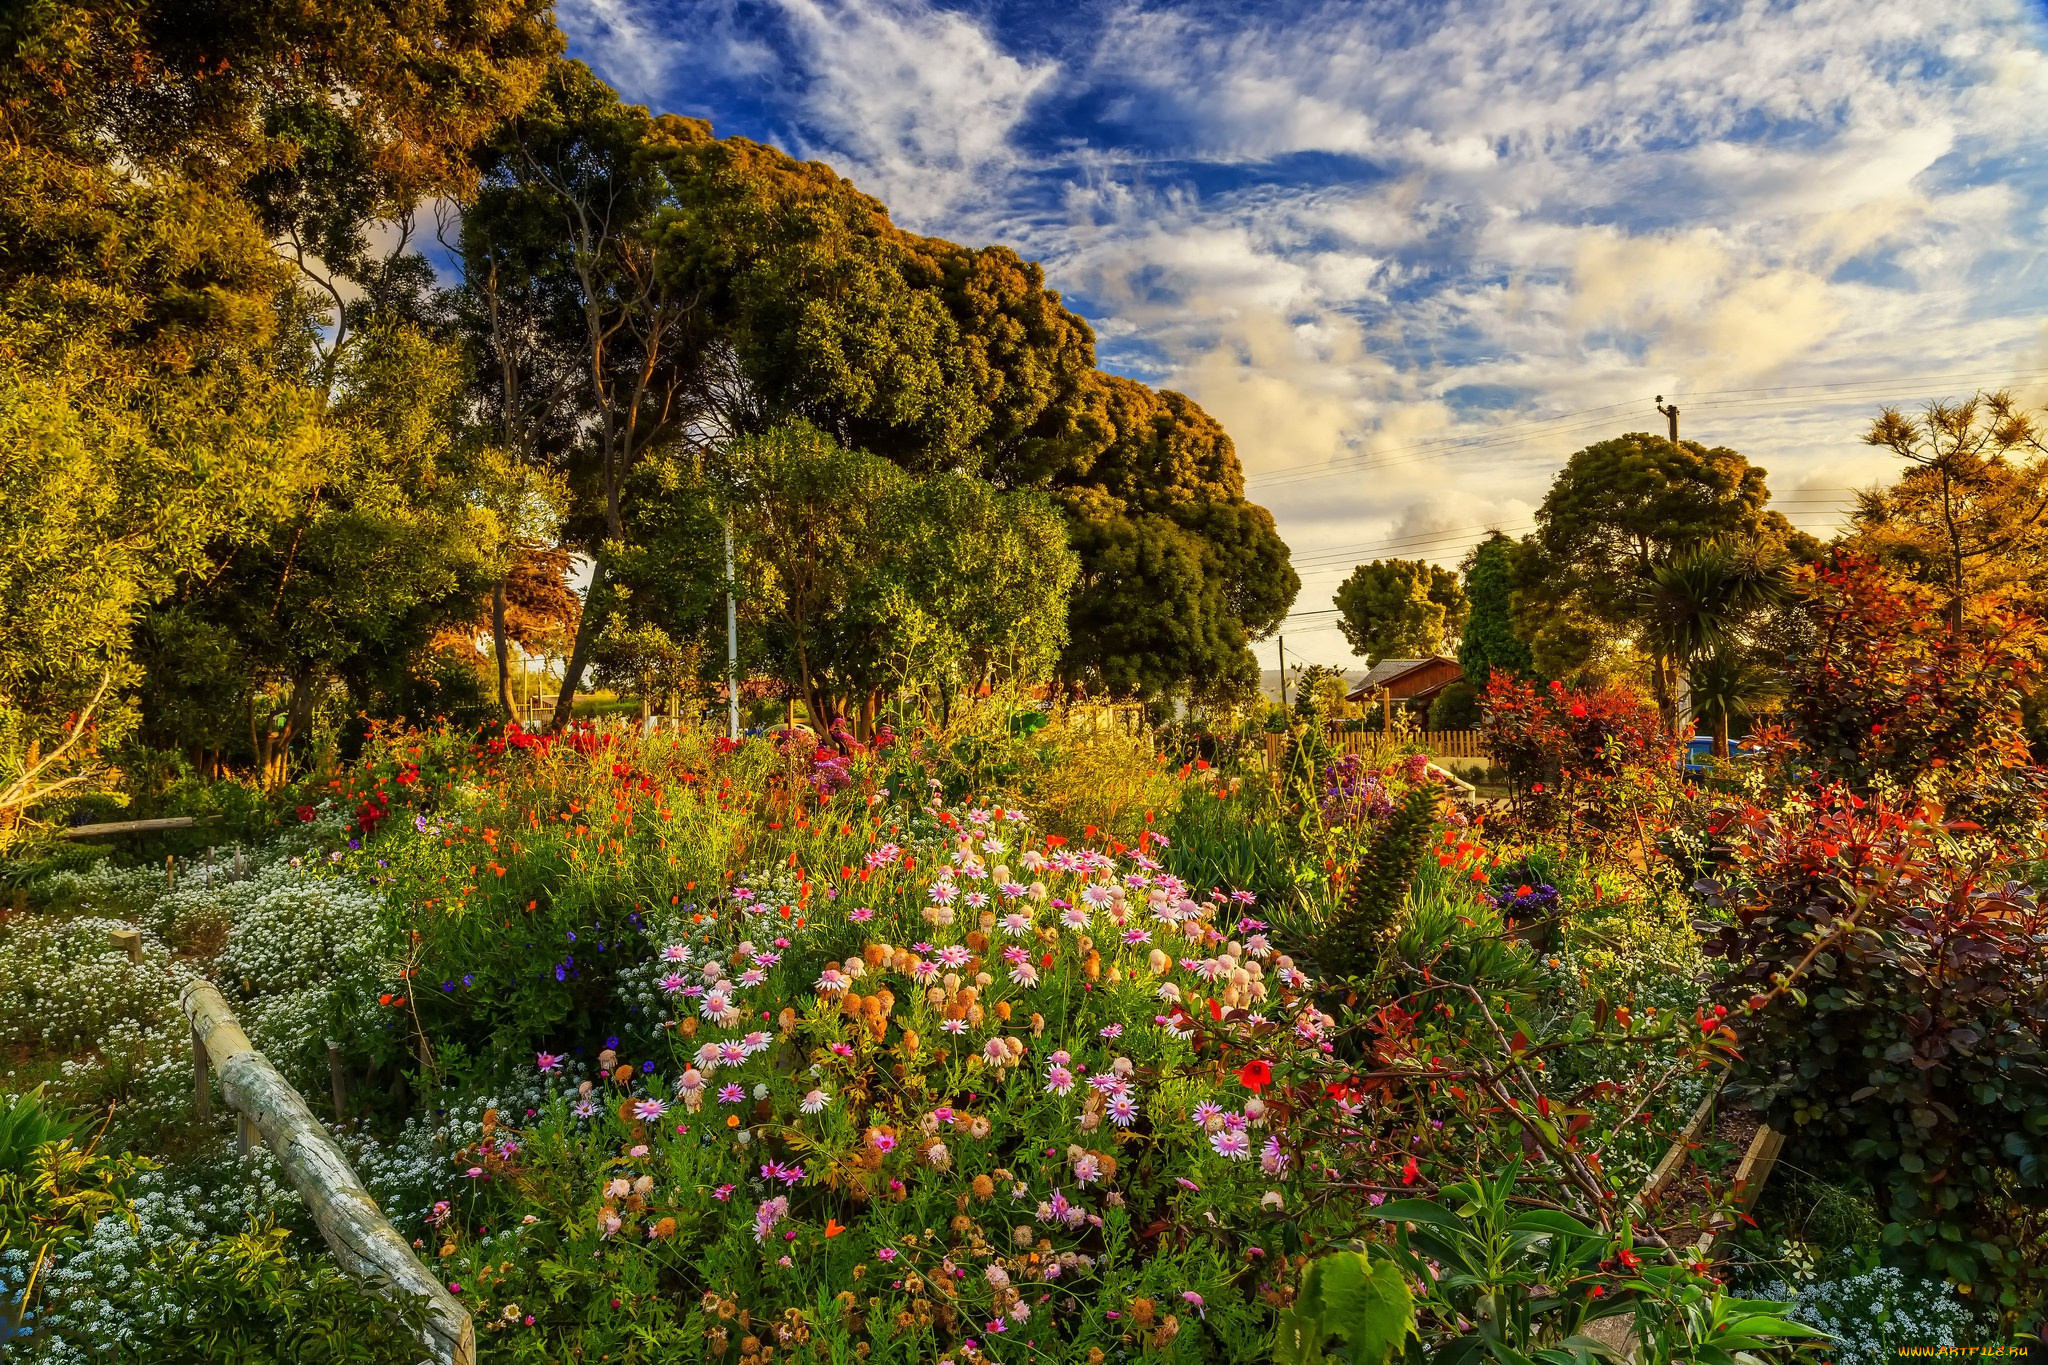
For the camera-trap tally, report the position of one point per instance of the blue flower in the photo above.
(611, 1043)
(469, 978)
(561, 972)
(648, 1069)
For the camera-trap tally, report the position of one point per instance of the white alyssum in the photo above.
(1873, 1314)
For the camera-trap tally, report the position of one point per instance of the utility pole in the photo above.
(1283, 672)
(1671, 412)
(732, 646)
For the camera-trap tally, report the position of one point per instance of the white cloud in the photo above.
(1551, 207)
(917, 104)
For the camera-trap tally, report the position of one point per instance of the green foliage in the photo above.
(1400, 609)
(1616, 509)
(1506, 1284)
(1680, 1319)
(1489, 640)
(25, 1125)
(936, 357)
(1894, 1009)
(248, 1299)
(1355, 940)
(1222, 837)
(861, 576)
(1455, 708)
(1366, 1304)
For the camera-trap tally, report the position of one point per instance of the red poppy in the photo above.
(1255, 1076)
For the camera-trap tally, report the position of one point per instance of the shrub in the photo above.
(248, 1298)
(1578, 760)
(1455, 708)
(1889, 696)
(1893, 980)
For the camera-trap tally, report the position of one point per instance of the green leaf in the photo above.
(1417, 1211)
(1368, 1306)
(1553, 1221)
(1373, 1312)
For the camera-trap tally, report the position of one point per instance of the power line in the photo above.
(1521, 433)
(1430, 539)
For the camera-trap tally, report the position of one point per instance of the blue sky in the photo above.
(1414, 254)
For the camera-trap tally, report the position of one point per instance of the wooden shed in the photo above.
(1412, 682)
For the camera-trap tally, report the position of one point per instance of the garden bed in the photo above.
(1710, 1176)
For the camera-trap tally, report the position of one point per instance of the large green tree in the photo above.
(1400, 608)
(943, 357)
(386, 543)
(178, 185)
(593, 354)
(860, 578)
(1489, 641)
(1617, 509)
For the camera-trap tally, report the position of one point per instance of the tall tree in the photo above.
(568, 273)
(1488, 641)
(387, 543)
(860, 577)
(1970, 514)
(152, 158)
(1400, 608)
(1614, 511)
(943, 357)
(1698, 608)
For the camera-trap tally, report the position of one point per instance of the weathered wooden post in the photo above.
(128, 941)
(202, 1092)
(363, 1242)
(336, 1079)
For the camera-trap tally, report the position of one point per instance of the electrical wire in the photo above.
(1589, 419)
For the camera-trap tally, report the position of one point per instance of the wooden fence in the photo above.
(363, 1243)
(1376, 746)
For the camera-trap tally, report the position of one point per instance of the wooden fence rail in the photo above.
(363, 1242)
(1373, 744)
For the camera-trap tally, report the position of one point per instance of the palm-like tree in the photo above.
(1697, 604)
(1726, 683)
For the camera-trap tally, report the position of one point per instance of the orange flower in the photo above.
(833, 1227)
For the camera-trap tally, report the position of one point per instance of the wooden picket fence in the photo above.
(1378, 747)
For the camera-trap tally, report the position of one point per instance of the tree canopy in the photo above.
(944, 357)
(1400, 609)
(263, 464)
(1488, 641)
(1614, 511)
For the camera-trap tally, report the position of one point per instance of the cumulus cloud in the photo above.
(1414, 254)
(917, 103)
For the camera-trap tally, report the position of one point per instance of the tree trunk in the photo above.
(1721, 732)
(579, 653)
(501, 647)
(298, 719)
